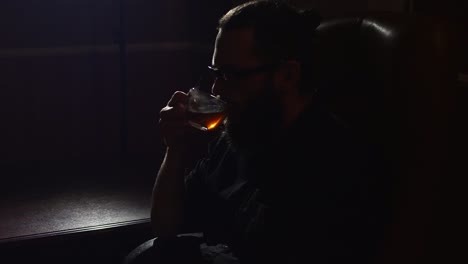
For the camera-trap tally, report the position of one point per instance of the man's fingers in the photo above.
(179, 99)
(172, 113)
(172, 127)
(172, 119)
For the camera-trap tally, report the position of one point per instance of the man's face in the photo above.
(253, 105)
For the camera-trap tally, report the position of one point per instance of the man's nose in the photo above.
(218, 87)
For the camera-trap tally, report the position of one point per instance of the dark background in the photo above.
(69, 95)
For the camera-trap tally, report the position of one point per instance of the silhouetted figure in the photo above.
(284, 180)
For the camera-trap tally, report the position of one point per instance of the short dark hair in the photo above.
(281, 31)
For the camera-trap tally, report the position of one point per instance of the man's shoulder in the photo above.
(335, 144)
(321, 126)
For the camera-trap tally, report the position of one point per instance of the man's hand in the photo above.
(176, 132)
(173, 121)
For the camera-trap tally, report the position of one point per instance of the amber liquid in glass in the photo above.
(206, 121)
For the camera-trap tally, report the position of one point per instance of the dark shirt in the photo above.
(317, 195)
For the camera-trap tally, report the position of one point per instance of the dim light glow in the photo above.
(214, 124)
(381, 29)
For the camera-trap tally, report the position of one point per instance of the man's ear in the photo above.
(288, 76)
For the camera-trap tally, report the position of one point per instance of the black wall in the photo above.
(70, 96)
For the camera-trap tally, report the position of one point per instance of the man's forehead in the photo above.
(235, 48)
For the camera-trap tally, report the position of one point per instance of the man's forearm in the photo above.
(167, 197)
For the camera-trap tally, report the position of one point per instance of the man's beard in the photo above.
(255, 126)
